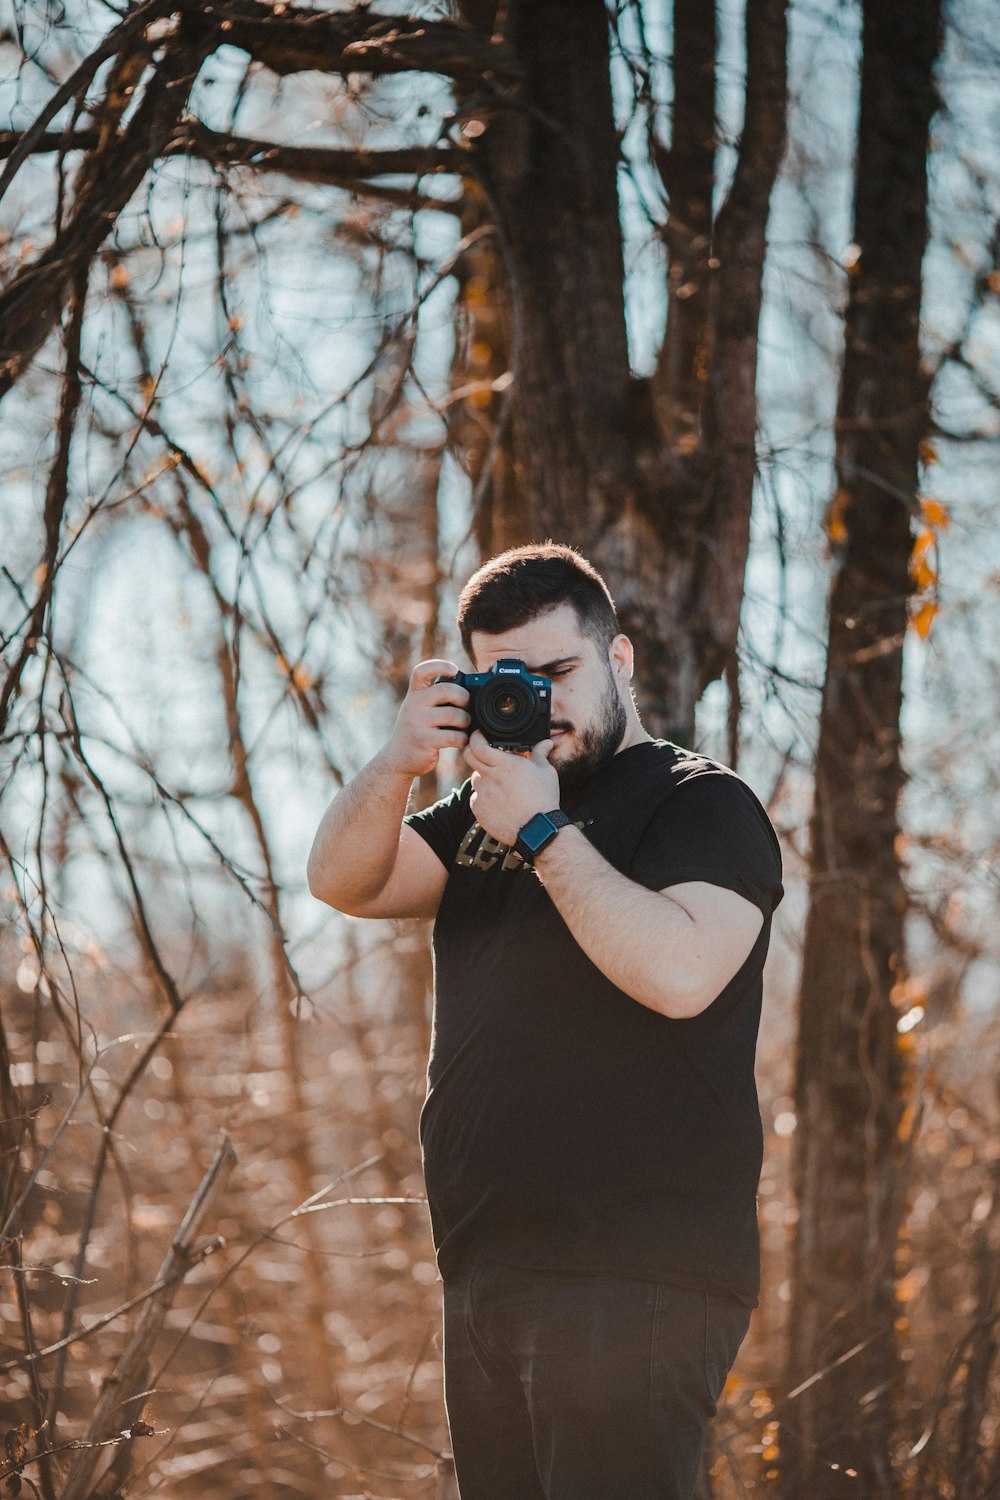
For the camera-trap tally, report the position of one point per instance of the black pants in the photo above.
(582, 1387)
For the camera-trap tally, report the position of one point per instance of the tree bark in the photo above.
(680, 383)
(549, 165)
(851, 1076)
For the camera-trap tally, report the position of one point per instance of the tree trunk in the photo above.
(550, 168)
(651, 478)
(851, 1077)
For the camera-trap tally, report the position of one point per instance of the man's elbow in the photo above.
(320, 891)
(314, 876)
(683, 998)
(690, 1003)
(320, 884)
(349, 903)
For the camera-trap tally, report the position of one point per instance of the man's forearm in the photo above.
(356, 843)
(643, 941)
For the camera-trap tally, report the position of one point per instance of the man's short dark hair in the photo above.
(517, 585)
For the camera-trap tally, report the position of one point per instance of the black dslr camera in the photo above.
(511, 706)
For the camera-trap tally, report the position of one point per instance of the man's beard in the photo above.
(599, 742)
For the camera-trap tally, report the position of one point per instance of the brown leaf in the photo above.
(15, 1442)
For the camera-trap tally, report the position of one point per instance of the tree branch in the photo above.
(312, 163)
(33, 302)
(324, 166)
(739, 246)
(291, 39)
(115, 42)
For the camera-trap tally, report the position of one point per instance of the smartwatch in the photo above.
(539, 832)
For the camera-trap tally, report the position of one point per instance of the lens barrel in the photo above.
(505, 707)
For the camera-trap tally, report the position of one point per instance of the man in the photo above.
(591, 1136)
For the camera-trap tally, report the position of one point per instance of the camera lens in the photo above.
(504, 708)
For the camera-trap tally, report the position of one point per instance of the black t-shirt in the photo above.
(566, 1126)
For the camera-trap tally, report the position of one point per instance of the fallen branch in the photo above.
(125, 1382)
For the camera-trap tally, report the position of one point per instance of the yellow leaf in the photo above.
(935, 513)
(928, 452)
(908, 1286)
(923, 573)
(477, 291)
(924, 619)
(836, 525)
(908, 1119)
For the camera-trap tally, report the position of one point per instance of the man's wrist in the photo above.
(538, 833)
(387, 765)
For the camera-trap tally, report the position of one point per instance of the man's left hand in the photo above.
(508, 790)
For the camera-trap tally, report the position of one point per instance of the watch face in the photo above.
(535, 834)
(537, 830)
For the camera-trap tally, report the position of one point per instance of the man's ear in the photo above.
(621, 656)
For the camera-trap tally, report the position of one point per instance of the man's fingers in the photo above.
(489, 754)
(540, 752)
(446, 692)
(480, 755)
(425, 672)
(451, 740)
(446, 717)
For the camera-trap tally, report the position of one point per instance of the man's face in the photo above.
(589, 716)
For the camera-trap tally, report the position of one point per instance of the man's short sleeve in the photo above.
(711, 827)
(445, 823)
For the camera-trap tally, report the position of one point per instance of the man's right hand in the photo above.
(432, 718)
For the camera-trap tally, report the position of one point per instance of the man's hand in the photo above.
(509, 789)
(432, 718)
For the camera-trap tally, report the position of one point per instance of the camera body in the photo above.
(512, 706)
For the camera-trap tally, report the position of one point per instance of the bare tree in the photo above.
(850, 1085)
